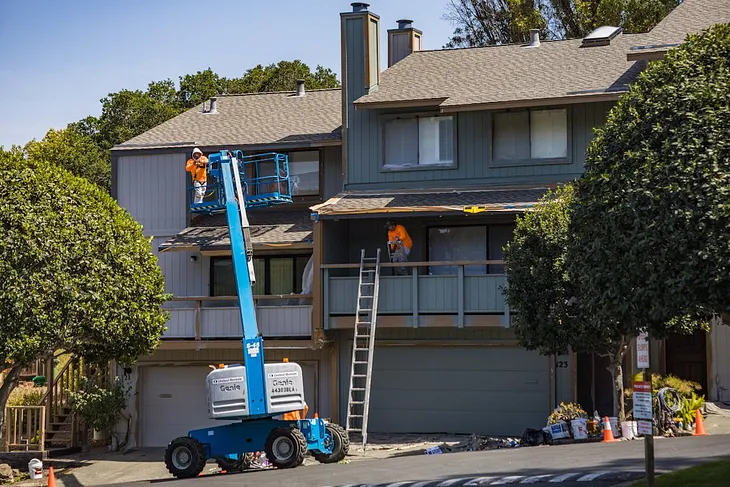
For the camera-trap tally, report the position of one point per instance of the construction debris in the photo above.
(475, 443)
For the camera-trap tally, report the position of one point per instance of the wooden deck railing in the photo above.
(25, 428)
(457, 288)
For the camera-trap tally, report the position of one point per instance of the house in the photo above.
(453, 144)
(167, 396)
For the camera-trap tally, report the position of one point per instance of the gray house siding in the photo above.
(474, 162)
(153, 189)
(332, 171)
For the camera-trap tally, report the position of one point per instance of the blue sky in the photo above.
(59, 58)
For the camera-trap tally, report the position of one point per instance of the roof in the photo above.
(251, 119)
(509, 199)
(209, 233)
(554, 72)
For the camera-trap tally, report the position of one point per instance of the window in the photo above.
(419, 141)
(304, 172)
(274, 275)
(531, 135)
(473, 243)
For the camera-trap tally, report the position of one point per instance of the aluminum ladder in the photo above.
(363, 346)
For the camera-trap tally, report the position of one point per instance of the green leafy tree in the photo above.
(547, 317)
(650, 228)
(488, 22)
(78, 274)
(76, 152)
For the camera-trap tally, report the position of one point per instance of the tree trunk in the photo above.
(616, 370)
(7, 387)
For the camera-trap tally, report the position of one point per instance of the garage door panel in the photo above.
(455, 380)
(487, 390)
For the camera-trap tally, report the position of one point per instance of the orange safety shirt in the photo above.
(400, 232)
(198, 173)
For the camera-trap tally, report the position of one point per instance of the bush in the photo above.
(26, 394)
(99, 406)
(567, 412)
(686, 389)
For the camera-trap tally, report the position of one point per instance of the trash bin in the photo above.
(35, 469)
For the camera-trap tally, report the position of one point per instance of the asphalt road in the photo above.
(619, 462)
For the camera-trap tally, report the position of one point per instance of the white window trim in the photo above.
(568, 159)
(419, 165)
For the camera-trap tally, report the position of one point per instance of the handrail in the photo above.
(229, 298)
(55, 381)
(455, 263)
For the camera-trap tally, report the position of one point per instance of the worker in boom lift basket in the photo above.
(197, 166)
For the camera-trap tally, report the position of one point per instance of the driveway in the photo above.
(616, 462)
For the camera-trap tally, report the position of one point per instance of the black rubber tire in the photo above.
(341, 446)
(229, 465)
(195, 463)
(295, 440)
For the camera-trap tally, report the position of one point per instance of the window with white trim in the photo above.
(419, 141)
(526, 135)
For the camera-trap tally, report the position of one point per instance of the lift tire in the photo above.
(185, 457)
(229, 465)
(285, 447)
(340, 445)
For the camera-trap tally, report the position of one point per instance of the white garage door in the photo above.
(487, 390)
(174, 401)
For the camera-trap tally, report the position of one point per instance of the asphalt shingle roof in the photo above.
(514, 73)
(440, 201)
(210, 232)
(251, 119)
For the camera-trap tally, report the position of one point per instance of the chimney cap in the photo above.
(300, 87)
(359, 6)
(405, 23)
(534, 38)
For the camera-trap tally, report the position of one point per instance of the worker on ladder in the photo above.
(197, 166)
(399, 244)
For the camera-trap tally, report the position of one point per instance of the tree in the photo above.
(547, 315)
(78, 274)
(76, 152)
(650, 228)
(487, 22)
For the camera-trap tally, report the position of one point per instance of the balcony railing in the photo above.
(218, 317)
(441, 294)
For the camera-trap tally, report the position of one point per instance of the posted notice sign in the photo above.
(642, 400)
(642, 351)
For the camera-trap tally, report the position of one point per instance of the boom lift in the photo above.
(255, 395)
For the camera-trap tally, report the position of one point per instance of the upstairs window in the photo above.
(303, 172)
(274, 275)
(529, 135)
(418, 142)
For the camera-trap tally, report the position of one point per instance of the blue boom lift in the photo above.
(255, 395)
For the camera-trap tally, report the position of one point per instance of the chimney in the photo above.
(300, 87)
(213, 105)
(403, 41)
(534, 38)
(360, 69)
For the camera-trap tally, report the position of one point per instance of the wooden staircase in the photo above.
(62, 427)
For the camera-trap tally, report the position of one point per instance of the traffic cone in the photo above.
(51, 477)
(699, 425)
(607, 432)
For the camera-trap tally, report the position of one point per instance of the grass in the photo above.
(707, 475)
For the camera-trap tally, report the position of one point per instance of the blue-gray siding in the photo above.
(474, 152)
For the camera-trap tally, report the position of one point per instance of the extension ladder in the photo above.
(363, 346)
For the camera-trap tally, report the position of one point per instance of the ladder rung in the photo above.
(359, 362)
(365, 309)
(357, 402)
(367, 271)
(359, 375)
(356, 416)
(358, 389)
(355, 429)
(370, 258)
(360, 349)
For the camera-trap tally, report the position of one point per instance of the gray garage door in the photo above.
(496, 391)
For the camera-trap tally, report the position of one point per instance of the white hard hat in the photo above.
(197, 150)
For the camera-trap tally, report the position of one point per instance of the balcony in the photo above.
(439, 294)
(218, 317)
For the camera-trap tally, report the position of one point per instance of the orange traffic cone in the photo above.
(608, 432)
(699, 425)
(51, 477)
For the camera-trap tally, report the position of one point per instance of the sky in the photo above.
(59, 58)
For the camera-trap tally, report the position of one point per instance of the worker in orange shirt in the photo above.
(197, 166)
(400, 243)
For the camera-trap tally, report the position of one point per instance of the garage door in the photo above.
(174, 401)
(495, 391)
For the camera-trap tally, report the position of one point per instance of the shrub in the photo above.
(99, 406)
(26, 394)
(567, 412)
